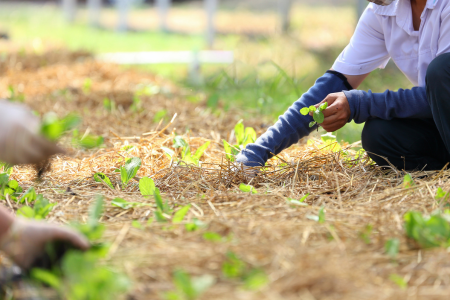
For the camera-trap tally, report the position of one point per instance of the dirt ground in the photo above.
(303, 259)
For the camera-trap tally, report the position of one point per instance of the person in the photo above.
(22, 240)
(408, 128)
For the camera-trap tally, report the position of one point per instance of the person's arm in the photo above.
(24, 241)
(366, 52)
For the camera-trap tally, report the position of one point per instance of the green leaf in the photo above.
(95, 211)
(183, 283)
(90, 142)
(147, 186)
(122, 203)
(304, 111)
(255, 280)
(312, 108)
(100, 177)
(318, 117)
(179, 215)
(398, 280)
(46, 277)
(29, 196)
(195, 225)
(198, 154)
(322, 215)
(169, 152)
(250, 136)
(441, 194)
(312, 124)
(179, 142)
(239, 133)
(130, 169)
(158, 200)
(233, 267)
(230, 151)
(323, 106)
(247, 188)
(26, 212)
(408, 182)
(212, 236)
(304, 198)
(392, 247)
(159, 216)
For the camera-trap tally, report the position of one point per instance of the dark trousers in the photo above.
(416, 144)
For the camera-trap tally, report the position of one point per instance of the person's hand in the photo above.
(337, 113)
(20, 141)
(25, 240)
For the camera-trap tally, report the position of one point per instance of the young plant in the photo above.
(129, 170)
(247, 188)
(53, 128)
(100, 177)
(187, 288)
(41, 208)
(428, 231)
(320, 217)
(392, 247)
(317, 113)
(83, 275)
(186, 156)
(244, 136)
(9, 188)
(86, 141)
(235, 268)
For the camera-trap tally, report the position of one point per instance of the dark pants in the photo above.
(416, 144)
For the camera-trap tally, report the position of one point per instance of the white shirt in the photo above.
(386, 32)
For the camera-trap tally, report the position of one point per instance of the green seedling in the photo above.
(87, 86)
(53, 128)
(408, 182)
(186, 156)
(161, 114)
(212, 237)
(84, 275)
(235, 268)
(137, 104)
(9, 188)
(320, 217)
(300, 202)
(100, 177)
(392, 247)
(247, 188)
(6, 168)
(86, 141)
(122, 203)
(195, 225)
(244, 136)
(41, 208)
(399, 281)
(147, 186)
(109, 105)
(428, 231)
(187, 288)
(129, 170)
(317, 113)
(365, 234)
(15, 96)
(441, 196)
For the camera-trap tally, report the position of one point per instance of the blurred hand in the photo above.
(20, 141)
(337, 113)
(25, 240)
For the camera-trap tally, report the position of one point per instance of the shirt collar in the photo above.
(393, 8)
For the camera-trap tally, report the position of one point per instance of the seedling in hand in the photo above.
(317, 113)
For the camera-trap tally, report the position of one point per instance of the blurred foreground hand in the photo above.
(20, 139)
(25, 241)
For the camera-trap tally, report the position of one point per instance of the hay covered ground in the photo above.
(302, 258)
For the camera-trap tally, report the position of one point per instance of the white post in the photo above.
(123, 7)
(163, 9)
(285, 14)
(361, 6)
(211, 9)
(94, 8)
(70, 9)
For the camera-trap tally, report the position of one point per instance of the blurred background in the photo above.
(257, 56)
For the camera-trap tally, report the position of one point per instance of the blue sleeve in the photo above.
(411, 103)
(292, 126)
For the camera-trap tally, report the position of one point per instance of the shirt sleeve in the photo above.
(444, 38)
(367, 49)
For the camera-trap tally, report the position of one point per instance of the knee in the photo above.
(372, 135)
(438, 71)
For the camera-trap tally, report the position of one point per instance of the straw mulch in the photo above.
(302, 258)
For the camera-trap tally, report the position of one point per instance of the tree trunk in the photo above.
(94, 7)
(70, 9)
(211, 9)
(285, 14)
(163, 7)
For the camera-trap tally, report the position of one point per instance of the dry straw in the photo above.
(304, 259)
